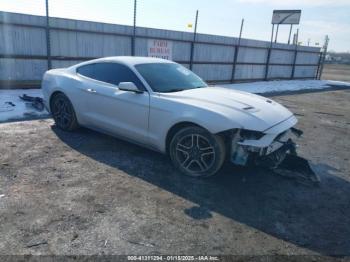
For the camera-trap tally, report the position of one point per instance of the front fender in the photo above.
(163, 118)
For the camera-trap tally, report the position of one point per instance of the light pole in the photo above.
(134, 30)
(240, 32)
(194, 40)
(48, 45)
(235, 56)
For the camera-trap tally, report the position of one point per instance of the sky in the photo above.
(220, 17)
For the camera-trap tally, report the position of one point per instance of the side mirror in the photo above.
(129, 86)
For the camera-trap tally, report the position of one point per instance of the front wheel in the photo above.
(196, 152)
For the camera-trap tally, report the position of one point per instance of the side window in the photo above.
(111, 73)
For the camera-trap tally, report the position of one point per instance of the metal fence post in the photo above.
(269, 54)
(236, 54)
(294, 61)
(234, 63)
(295, 54)
(267, 63)
(194, 40)
(134, 30)
(48, 44)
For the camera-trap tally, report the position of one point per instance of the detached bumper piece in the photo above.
(286, 163)
(36, 102)
(280, 157)
(274, 159)
(298, 168)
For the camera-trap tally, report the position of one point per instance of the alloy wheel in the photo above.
(195, 153)
(62, 112)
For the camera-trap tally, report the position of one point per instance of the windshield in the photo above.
(168, 77)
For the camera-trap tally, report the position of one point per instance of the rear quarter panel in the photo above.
(65, 81)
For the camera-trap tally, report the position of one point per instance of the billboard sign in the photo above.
(160, 48)
(286, 17)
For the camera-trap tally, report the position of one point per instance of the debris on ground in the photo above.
(19, 104)
(6, 107)
(75, 236)
(36, 242)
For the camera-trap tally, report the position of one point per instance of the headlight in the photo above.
(251, 134)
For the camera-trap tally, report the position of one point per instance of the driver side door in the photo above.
(114, 111)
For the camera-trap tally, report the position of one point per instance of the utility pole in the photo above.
(297, 37)
(236, 53)
(269, 54)
(134, 30)
(240, 32)
(48, 45)
(325, 47)
(194, 40)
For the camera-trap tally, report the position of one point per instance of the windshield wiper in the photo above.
(182, 89)
(175, 90)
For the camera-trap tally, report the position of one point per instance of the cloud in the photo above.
(316, 30)
(327, 26)
(300, 2)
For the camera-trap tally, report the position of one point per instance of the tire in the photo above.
(63, 112)
(196, 152)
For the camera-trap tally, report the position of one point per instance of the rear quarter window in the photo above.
(86, 70)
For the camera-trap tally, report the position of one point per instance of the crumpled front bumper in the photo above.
(275, 139)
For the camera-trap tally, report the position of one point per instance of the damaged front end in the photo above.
(274, 151)
(247, 147)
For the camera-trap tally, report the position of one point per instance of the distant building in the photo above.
(332, 58)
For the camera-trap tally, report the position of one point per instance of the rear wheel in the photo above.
(63, 112)
(196, 152)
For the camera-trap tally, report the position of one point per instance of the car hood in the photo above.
(250, 111)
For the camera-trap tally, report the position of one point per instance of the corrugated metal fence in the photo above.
(23, 52)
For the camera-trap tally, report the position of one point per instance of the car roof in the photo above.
(126, 60)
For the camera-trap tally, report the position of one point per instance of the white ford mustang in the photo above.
(164, 106)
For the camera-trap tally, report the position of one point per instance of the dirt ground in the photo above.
(88, 193)
(337, 72)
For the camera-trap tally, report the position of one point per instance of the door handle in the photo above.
(90, 90)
